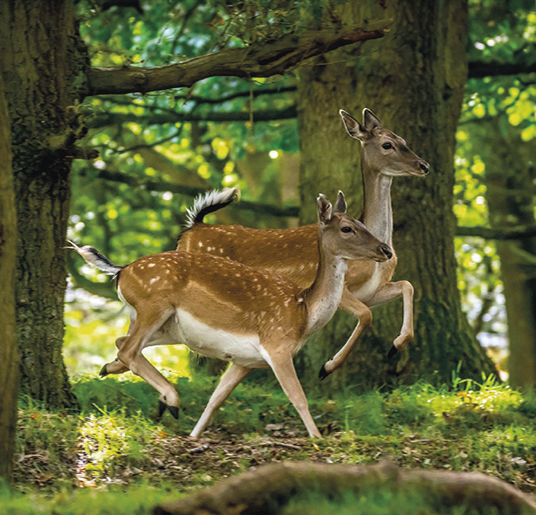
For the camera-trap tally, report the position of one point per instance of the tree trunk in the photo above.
(44, 65)
(510, 176)
(9, 364)
(413, 79)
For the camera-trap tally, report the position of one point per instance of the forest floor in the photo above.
(116, 442)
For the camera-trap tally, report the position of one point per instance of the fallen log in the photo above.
(267, 489)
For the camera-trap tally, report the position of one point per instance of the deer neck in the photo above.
(323, 297)
(377, 212)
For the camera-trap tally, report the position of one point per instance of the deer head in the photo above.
(383, 151)
(343, 236)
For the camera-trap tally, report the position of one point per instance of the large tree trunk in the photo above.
(9, 364)
(510, 175)
(413, 79)
(44, 66)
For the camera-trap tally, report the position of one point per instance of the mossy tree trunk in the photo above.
(44, 67)
(413, 79)
(9, 365)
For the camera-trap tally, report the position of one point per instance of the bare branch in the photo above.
(480, 69)
(109, 119)
(517, 233)
(121, 3)
(191, 191)
(263, 60)
(200, 100)
(239, 94)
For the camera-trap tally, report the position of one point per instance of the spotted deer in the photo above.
(223, 309)
(293, 252)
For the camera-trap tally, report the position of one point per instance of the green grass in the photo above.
(377, 502)
(112, 501)
(84, 463)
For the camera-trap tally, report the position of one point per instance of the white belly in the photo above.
(216, 343)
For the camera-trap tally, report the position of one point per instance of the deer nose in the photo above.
(424, 166)
(386, 251)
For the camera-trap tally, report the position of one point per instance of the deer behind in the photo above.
(293, 253)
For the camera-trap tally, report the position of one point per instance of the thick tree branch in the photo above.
(517, 233)
(480, 69)
(108, 119)
(191, 191)
(262, 60)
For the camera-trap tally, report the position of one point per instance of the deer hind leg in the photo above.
(389, 292)
(228, 382)
(159, 337)
(130, 354)
(116, 366)
(362, 312)
(281, 363)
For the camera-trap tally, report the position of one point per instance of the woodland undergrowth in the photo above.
(66, 460)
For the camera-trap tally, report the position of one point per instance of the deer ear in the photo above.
(370, 120)
(340, 204)
(324, 209)
(353, 127)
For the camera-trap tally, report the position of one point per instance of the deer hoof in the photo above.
(174, 410)
(103, 372)
(323, 373)
(392, 351)
(162, 406)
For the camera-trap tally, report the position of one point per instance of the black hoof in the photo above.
(392, 351)
(103, 372)
(323, 373)
(174, 410)
(161, 408)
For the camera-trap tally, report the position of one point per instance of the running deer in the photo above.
(227, 310)
(293, 252)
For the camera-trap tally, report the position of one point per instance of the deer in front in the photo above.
(293, 252)
(227, 310)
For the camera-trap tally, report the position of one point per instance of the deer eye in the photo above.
(346, 229)
(387, 146)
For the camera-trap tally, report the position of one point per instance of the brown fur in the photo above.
(292, 253)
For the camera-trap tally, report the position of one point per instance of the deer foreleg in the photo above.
(281, 363)
(389, 292)
(227, 384)
(362, 312)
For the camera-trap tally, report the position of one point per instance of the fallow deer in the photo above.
(293, 252)
(224, 309)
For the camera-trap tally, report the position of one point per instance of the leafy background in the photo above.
(128, 202)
